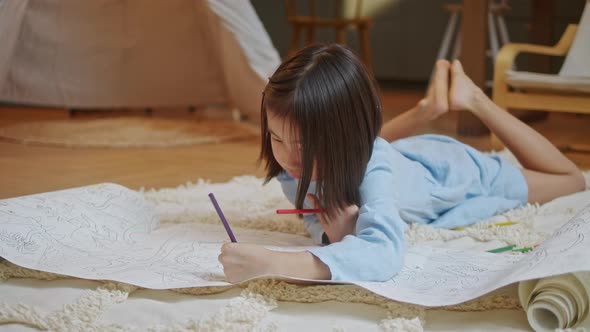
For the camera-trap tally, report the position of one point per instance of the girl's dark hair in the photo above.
(332, 103)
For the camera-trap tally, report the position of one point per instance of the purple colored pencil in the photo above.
(222, 217)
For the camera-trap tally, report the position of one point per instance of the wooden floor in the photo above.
(28, 169)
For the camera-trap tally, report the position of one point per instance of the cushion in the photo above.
(552, 82)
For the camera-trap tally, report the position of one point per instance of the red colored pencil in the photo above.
(301, 211)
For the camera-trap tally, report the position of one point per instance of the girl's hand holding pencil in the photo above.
(337, 224)
(242, 261)
(342, 222)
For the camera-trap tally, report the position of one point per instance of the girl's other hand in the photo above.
(463, 92)
(341, 223)
(243, 261)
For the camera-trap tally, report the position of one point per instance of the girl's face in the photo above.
(285, 145)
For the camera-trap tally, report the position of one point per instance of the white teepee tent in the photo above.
(133, 53)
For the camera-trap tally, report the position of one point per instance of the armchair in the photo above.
(566, 91)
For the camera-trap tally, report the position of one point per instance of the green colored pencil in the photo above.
(511, 248)
(502, 249)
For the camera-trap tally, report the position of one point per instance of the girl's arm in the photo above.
(431, 107)
(244, 261)
(547, 171)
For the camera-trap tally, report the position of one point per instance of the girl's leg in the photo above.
(548, 173)
(431, 107)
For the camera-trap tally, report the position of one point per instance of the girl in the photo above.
(321, 117)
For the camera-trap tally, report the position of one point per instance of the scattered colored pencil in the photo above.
(512, 248)
(300, 211)
(499, 224)
(222, 217)
(502, 249)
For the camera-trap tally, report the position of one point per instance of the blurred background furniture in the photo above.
(497, 31)
(543, 17)
(566, 91)
(311, 21)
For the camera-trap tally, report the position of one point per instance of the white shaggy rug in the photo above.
(38, 300)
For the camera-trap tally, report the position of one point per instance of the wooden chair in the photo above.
(566, 91)
(311, 22)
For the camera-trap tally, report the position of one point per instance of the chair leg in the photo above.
(341, 35)
(493, 36)
(493, 40)
(237, 116)
(295, 35)
(504, 38)
(365, 47)
(457, 45)
(443, 51)
(310, 36)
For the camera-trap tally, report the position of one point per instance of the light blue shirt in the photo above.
(427, 179)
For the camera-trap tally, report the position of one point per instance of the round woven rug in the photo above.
(127, 132)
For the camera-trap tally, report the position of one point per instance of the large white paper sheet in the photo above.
(110, 232)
